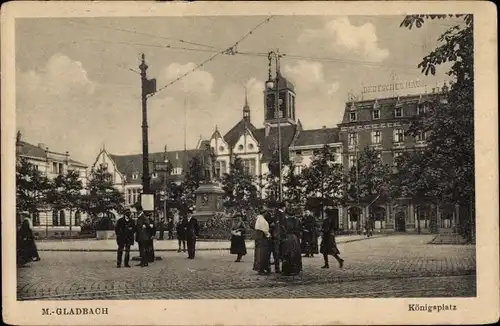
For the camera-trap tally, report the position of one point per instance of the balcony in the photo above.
(377, 146)
(421, 143)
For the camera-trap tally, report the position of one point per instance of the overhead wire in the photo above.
(144, 34)
(229, 50)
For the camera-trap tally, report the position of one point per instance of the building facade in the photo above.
(57, 222)
(382, 124)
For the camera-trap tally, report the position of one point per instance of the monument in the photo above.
(209, 194)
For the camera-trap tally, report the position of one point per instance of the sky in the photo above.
(77, 87)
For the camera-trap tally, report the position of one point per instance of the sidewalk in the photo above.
(160, 245)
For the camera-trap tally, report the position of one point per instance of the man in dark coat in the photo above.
(143, 234)
(328, 245)
(309, 244)
(152, 234)
(276, 230)
(125, 230)
(161, 227)
(170, 228)
(192, 231)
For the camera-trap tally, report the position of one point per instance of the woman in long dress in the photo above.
(328, 245)
(238, 231)
(262, 238)
(291, 255)
(26, 247)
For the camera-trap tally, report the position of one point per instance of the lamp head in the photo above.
(270, 84)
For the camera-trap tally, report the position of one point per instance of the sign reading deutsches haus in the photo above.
(393, 86)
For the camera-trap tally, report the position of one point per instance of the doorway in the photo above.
(400, 222)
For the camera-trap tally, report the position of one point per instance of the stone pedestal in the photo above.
(208, 201)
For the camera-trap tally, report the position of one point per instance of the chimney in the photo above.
(41, 145)
(267, 129)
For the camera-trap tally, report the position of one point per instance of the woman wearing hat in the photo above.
(238, 231)
(291, 255)
(26, 247)
(328, 245)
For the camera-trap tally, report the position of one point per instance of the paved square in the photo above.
(399, 265)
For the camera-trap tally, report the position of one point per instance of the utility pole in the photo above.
(145, 151)
(277, 57)
(148, 87)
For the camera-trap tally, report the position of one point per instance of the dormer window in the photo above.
(398, 112)
(240, 148)
(135, 176)
(353, 116)
(376, 114)
(250, 146)
(103, 166)
(154, 175)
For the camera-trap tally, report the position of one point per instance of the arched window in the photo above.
(62, 218)
(55, 218)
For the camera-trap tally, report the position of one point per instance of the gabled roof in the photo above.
(232, 136)
(26, 149)
(317, 137)
(269, 144)
(130, 164)
(29, 150)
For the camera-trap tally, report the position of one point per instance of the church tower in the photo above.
(286, 91)
(246, 109)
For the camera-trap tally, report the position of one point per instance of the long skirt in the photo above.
(26, 251)
(291, 256)
(328, 245)
(261, 254)
(238, 246)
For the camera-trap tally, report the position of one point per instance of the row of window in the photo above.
(398, 136)
(133, 196)
(398, 113)
(58, 218)
(353, 158)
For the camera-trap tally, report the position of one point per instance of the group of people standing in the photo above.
(281, 234)
(143, 231)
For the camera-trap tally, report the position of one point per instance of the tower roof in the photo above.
(284, 83)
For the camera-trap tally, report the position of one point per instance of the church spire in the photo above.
(246, 108)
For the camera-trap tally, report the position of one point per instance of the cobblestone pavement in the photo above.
(384, 267)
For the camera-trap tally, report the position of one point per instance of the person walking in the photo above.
(291, 255)
(238, 231)
(181, 233)
(142, 236)
(309, 243)
(192, 231)
(328, 245)
(124, 230)
(26, 246)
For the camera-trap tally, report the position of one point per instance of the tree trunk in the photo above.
(70, 221)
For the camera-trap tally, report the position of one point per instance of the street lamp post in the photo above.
(275, 85)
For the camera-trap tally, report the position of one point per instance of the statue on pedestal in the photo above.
(209, 159)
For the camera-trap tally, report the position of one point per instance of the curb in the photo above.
(175, 250)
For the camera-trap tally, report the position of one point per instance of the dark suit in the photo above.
(143, 236)
(125, 230)
(192, 231)
(152, 235)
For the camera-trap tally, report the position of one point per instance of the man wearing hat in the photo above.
(124, 230)
(192, 231)
(143, 234)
